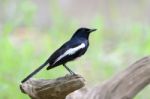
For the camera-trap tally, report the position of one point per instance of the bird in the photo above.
(75, 47)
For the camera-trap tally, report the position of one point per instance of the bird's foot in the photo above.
(72, 73)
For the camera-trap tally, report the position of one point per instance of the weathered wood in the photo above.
(125, 85)
(52, 89)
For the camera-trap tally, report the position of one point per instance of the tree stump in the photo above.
(124, 85)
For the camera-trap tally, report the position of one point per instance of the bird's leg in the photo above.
(71, 72)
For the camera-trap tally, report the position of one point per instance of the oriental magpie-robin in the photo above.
(69, 51)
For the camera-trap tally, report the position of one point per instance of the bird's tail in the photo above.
(34, 72)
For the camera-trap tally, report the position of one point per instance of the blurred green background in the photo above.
(30, 30)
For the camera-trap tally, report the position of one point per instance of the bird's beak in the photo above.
(92, 30)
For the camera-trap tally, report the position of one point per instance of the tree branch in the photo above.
(125, 85)
(52, 89)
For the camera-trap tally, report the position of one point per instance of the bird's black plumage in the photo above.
(69, 51)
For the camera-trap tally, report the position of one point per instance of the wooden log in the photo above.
(124, 85)
(52, 89)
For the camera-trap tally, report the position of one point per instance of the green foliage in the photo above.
(23, 51)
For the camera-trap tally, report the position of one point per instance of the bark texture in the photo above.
(52, 89)
(124, 85)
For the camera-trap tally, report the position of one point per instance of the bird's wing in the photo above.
(68, 48)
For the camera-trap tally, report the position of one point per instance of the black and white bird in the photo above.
(72, 49)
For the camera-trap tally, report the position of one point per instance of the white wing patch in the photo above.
(70, 51)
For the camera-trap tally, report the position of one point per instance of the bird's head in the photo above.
(83, 32)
